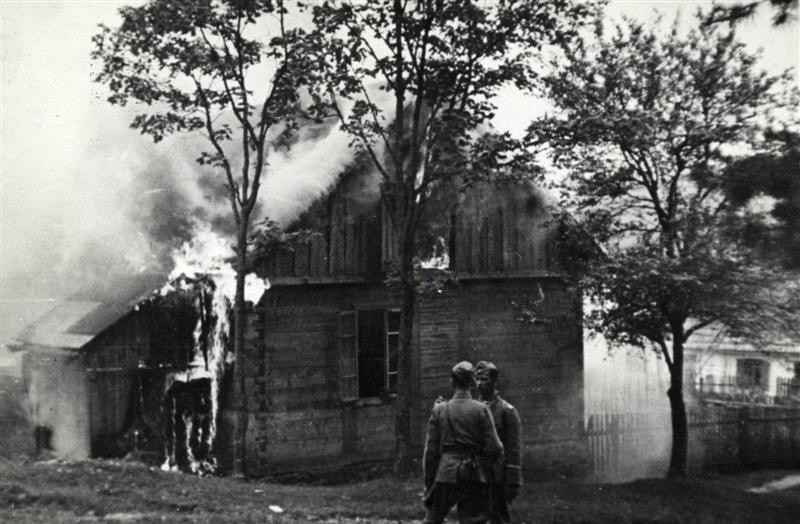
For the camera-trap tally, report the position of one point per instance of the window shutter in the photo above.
(348, 355)
(392, 330)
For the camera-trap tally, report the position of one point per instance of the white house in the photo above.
(719, 364)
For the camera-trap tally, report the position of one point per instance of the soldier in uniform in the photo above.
(506, 474)
(460, 443)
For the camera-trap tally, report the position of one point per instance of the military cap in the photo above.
(487, 368)
(464, 372)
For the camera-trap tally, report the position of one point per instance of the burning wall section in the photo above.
(149, 384)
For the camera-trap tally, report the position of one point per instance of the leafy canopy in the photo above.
(647, 123)
(442, 64)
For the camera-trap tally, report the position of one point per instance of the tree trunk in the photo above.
(680, 427)
(239, 327)
(405, 391)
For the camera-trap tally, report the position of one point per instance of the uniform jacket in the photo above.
(509, 428)
(470, 427)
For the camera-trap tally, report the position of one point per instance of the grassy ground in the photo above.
(102, 491)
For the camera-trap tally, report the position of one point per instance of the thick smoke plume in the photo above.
(132, 203)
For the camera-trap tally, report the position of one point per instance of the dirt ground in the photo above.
(105, 491)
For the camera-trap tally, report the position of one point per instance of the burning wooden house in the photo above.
(133, 368)
(321, 346)
(322, 342)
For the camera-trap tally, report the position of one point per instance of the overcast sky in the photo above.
(70, 164)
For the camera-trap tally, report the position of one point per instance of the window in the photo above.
(751, 372)
(368, 345)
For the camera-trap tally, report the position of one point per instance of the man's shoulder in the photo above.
(503, 403)
(466, 405)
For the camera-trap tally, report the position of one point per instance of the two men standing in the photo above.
(464, 462)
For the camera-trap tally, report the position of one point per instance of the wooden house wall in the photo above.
(541, 363)
(491, 232)
(298, 416)
(502, 236)
(112, 363)
(344, 240)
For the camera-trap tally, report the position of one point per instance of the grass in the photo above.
(106, 491)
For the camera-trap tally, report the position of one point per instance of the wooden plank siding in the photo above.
(501, 249)
(541, 367)
(300, 415)
(501, 231)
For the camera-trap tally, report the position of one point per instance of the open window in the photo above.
(368, 344)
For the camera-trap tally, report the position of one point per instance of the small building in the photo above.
(112, 371)
(722, 367)
(123, 374)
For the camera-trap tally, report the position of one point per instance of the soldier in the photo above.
(461, 440)
(506, 473)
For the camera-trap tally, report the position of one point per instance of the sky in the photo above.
(74, 179)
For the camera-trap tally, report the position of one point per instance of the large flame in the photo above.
(206, 257)
(208, 254)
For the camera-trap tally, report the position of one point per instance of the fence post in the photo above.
(743, 461)
(616, 443)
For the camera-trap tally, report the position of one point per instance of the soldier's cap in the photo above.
(486, 368)
(464, 371)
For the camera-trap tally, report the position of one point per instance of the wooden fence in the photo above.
(626, 446)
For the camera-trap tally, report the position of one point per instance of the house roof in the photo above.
(713, 338)
(75, 321)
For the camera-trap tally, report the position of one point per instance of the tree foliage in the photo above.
(784, 11)
(764, 190)
(441, 65)
(206, 67)
(649, 124)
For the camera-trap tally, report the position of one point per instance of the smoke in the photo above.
(623, 381)
(298, 176)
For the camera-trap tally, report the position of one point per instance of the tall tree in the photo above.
(442, 63)
(647, 121)
(203, 67)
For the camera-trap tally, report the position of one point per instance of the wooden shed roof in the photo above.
(74, 322)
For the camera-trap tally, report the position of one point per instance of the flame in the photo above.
(440, 259)
(206, 256)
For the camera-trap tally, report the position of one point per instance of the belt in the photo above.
(459, 450)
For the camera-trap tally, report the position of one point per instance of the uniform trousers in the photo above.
(470, 498)
(498, 505)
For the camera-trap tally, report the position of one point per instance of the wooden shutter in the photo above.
(348, 355)
(392, 330)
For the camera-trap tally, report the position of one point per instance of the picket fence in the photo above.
(623, 446)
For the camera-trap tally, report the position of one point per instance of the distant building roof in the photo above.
(714, 338)
(75, 321)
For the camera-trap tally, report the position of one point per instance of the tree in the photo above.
(774, 230)
(647, 123)
(442, 63)
(201, 67)
(785, 10)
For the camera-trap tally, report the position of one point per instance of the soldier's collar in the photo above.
(461, 393)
